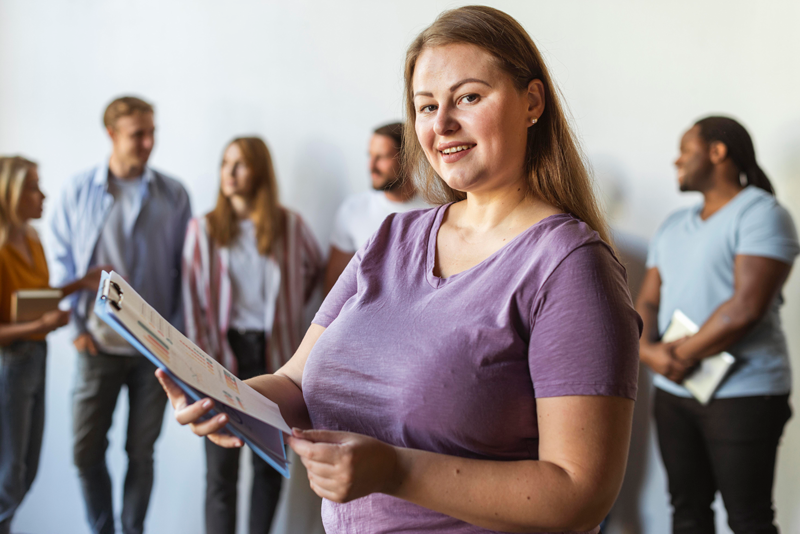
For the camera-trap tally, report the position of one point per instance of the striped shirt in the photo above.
(207, 291)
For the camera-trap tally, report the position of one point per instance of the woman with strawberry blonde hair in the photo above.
(249, 268)
(474, 369)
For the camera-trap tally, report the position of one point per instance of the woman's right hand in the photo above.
(191, 414)
(52, 320)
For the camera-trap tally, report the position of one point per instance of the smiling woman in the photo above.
(543, 140)
(473, 370)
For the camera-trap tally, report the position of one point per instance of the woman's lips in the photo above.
(452, 158)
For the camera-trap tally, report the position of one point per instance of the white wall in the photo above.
(314, 77)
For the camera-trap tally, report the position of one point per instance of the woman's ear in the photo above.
(535, 96)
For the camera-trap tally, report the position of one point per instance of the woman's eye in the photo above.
(427, 109)
(470, 99)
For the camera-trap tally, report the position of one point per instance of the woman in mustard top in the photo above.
(22, 345)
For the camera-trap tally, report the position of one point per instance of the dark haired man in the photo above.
(124, 214)
(361, 215)
(722, 263)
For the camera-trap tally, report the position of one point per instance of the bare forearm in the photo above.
(281, 390)
(337, 261)
(519, 496)
(727, 325)
(649, 314)
(72, 287)
(647, 304)
(12, 332)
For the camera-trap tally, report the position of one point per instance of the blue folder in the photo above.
(264, 439)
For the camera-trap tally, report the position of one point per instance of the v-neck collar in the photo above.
(436, 281)
(736, 198)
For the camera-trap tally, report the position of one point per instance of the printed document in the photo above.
(253, 417)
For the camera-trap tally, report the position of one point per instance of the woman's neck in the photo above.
(241, 207)
(17, 233)
(489, 209)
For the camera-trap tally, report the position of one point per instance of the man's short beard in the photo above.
(391, 185)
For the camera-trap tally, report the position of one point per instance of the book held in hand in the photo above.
(706, 379)
(252, 417)
(31, 304)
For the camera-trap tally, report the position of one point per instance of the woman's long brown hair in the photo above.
(554, 164)
(267, 214)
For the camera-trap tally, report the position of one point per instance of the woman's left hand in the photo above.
(343, 466)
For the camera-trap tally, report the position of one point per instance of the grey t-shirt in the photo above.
(112, 249)
(695, 259)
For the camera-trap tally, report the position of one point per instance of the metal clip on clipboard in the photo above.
(105, 294)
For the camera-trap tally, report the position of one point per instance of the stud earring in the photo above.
(534, 120)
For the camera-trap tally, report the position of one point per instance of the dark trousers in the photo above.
(22, 382)
(729, 445)
(222, 465)
(100, 380)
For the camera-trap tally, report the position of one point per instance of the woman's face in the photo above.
(471, 121)
(236, 178)
(31, 199)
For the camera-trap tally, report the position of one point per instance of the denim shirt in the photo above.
(157, 237)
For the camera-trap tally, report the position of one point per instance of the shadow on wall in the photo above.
(611, 186)
(785, 176)
(317, 185)
(626, 516)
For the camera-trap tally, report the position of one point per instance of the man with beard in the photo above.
(361, 214)
(722, 262)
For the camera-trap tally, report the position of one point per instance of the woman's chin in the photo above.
(460, 183)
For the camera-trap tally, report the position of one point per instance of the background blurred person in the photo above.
(249, 268)
(473, 370)
(361, 215)
(23, 349)
(125, 214)
(723, 263)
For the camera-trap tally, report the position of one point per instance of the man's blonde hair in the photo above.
(123, 107)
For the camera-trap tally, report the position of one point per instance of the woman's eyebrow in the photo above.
(468, 80)
(455, 86)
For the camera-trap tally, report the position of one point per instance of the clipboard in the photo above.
(708, 376)
(252, 417)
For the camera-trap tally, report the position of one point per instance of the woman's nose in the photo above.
(445, 123)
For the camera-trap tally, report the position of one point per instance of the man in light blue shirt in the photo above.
(132, 218)
(723, 264)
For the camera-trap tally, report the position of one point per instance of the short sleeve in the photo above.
(344, 288)
(340, 237)
(585, 332)
(766, 229)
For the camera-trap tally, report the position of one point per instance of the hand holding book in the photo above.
(707, 375)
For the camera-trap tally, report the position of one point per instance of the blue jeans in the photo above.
(22, 379)
(100, 379)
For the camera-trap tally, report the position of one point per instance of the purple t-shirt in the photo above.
(455, 365)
